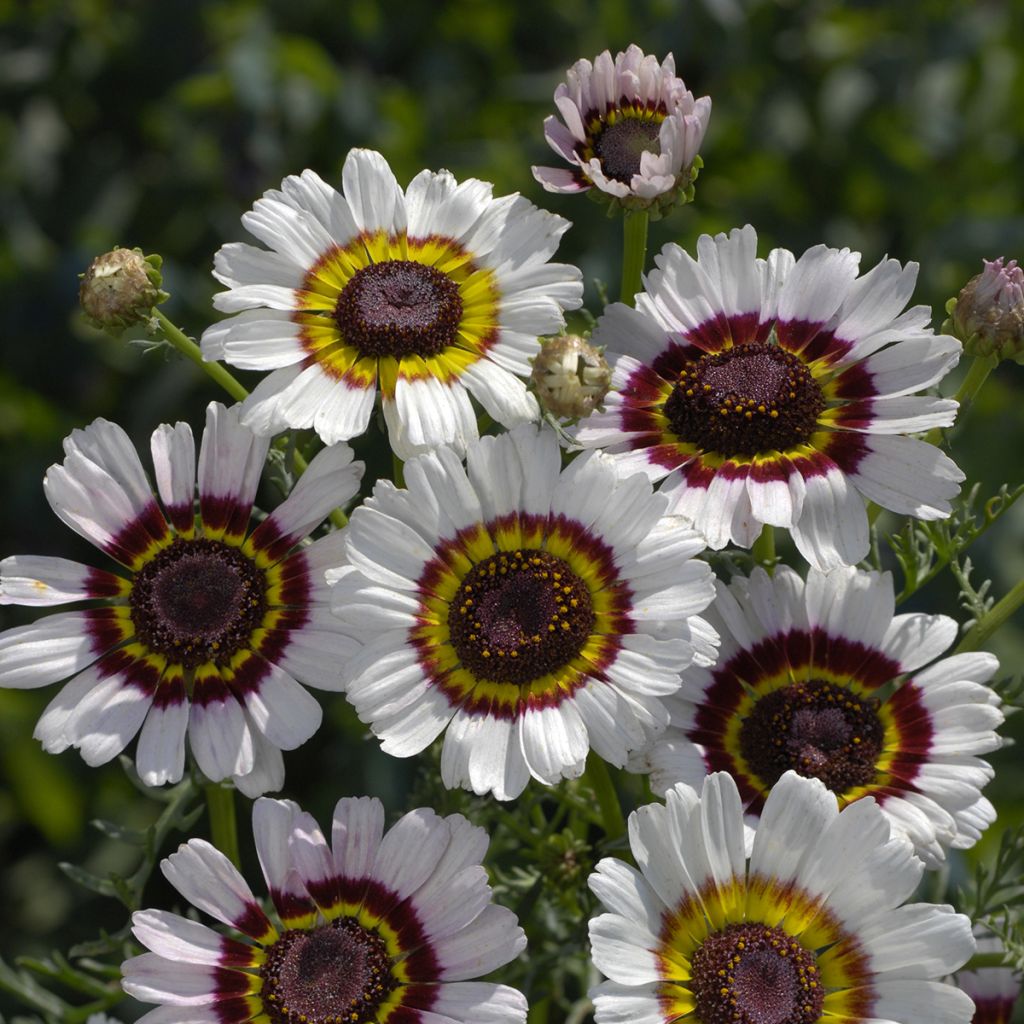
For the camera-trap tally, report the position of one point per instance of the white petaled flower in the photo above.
(631, 129)
(369, 928)
(531, 612)
(812, 928)
(778, 392)
(822, 678)
(207, 629)
(995, 990)
(429, 295)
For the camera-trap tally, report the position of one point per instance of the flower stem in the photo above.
(607, 798)
(997, 959)
(968, 390)
(634, 253)
(220, 805)
(188, 348)
(992, 619)
(764, 548)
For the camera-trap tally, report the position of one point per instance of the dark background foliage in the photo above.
(887, 127)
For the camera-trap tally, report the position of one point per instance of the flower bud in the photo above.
(570, 376)
(988, 314)
(120, 288)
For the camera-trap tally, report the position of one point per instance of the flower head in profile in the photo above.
(369, 927)
(529, 612)
(428, 295)
(779, 392)
(822, 678)
(631, 129)
(206, 629)
(811, 928)
(988, 314)
(995, 990)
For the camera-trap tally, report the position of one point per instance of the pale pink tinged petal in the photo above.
(833, 529)
(231, 460)
(259, 410)
(272, 821)
(478, 1002)
(152, 979)
(311, 857)
(560, 139)
(254, 340)
(237, 264)
(815, 287)
(626, 1004)
(309, 192)
(209, 881)
(329, 482)
(39, 580)
(280, 708)
(373, 193)
(571, 117)
(554, 742)
(911, 365)
(174, 466)
(357, 830)
(295, 234)
(160, 754)
(503, 395)
(248, 297)
(233, 1012)
(795, 815)
(267, 772)
(344, 412)
(182, 941)
(492, 940)
(624, 951)
(610, 186)
(907, 476)
(52, 729)
(483, 754)
(218, 733)
(914, 640)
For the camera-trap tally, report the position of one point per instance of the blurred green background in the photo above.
(886, 127)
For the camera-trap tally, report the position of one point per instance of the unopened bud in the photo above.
(988, 314)
(120, 288)
(570, 376)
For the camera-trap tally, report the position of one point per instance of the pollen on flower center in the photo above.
(519, 615)
(337, 974)
(744, 401)
(621, 144)
(755, 974)
(399, 308)
(820, 730)
(197, 601)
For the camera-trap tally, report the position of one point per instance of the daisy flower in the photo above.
(822, 678)
(205, 631)
(532, 612)
(778, 392)
(993, 989)
(632, 130)
(812, 928)
(431, 295)
(372, 927)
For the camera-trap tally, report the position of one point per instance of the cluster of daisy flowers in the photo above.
(534, 597)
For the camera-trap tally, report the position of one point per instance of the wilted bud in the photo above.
(988, 314)
(120, 288)
(570, 376)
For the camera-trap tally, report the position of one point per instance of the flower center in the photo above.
(744, 401)
(337, 974)
(755, 974)
(818, 729)
(518, 616)
(621, 144)
(399, 308)
(197, 601)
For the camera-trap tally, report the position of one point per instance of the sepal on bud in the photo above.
(120, 288)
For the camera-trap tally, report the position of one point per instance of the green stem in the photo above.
(992, 619)
(398, 466)
(188, 348)
(607, 798)
(968, 390)
(986, 960)
(634, 253)
(764, 547)
(220, 804)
